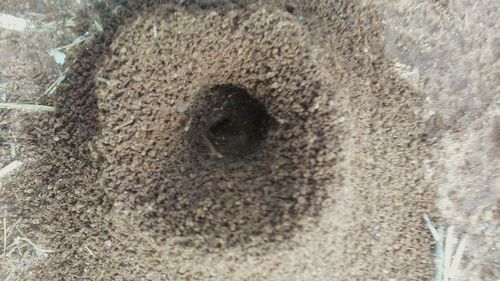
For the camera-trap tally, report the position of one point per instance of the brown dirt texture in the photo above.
(241, 140)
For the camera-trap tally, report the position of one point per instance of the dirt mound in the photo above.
(231, 142)
(167, 138)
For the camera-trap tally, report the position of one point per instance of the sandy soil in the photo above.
(376, 113)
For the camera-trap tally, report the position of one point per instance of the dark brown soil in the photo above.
(158, 156)
(236, 128)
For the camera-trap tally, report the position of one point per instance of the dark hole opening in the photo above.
(229, 122)
(290, 8)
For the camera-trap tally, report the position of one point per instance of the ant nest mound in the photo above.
(215, 127)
